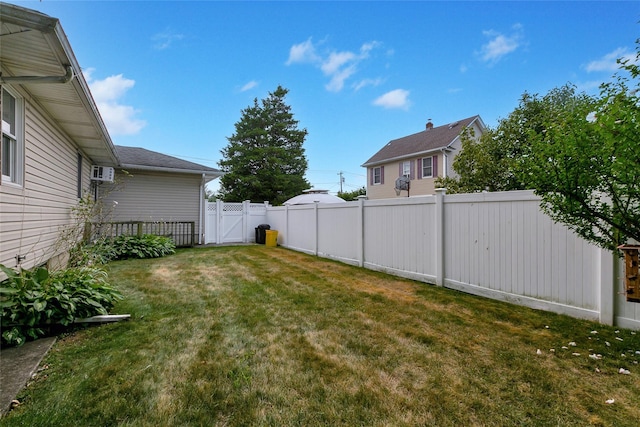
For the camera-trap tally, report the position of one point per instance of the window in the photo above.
(427, 167)
(406, 169)
(377, 175)
(12, 142)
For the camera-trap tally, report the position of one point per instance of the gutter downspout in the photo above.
(40, 79)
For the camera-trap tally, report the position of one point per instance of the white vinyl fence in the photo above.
(233, 222)
(497, 245)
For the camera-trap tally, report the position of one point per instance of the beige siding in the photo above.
(418, 187)
(153, 196)
(33, 215)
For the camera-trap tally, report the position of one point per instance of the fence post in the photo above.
(607, 279)
(219, 208)
(439, 233)
(139, 231)
(316, 226)
(361, 232)
(246, 206)
(286, 226)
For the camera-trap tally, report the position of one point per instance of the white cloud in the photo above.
(120, 119)
(608, 62)
(500, 45)
(398, 98)
(248, 86)
(338, 66)
(165, 39)
(304, 52)
(367, 82)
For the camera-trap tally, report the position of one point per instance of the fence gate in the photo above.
(233, 222)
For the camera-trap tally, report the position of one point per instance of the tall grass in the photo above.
(255, 336)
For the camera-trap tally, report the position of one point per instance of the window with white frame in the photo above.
(377, 175)
(12, 137)
(406, 169)
(427, 167)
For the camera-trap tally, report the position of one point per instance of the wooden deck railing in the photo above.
(182, 232)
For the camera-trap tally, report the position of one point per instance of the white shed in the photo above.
(312, 196)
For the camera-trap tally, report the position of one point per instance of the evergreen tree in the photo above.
(264, 159)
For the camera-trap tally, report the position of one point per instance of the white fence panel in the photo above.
(399, 236)
(302, 228)
(499, 245)
(338, 226)
(503, 242)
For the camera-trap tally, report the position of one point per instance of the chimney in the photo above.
(429, 125)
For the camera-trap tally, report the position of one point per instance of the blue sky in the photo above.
(174, 76)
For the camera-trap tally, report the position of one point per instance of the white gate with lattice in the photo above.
(233, 222)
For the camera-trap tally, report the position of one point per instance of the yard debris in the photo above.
(595, 356)
(608, 343)
(572, 344)
(619, 339)
(539, 351)
(576, 354)
(15, 403)
(597, 370)
(624, 371)
(594, 332)
(610, 401)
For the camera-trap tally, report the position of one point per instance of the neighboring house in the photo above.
(151, 186)
(421, 158)
(52, 134)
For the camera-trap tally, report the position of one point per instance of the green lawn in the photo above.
(257, 336)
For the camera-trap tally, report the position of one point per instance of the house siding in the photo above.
(144, 196)
(33, 215)
(417, 186)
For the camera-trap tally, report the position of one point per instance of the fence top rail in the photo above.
(501, 196)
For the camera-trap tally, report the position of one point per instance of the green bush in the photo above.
(33, 300)
(144, 246)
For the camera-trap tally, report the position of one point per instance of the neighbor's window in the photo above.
(12, 143)
(427, 167)
(406, 169)
(377, 175)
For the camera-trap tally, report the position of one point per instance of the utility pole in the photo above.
(341, 180)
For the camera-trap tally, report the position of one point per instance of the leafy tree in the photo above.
(352, 195)
(493, 162)
(585, 161)
(264, 159)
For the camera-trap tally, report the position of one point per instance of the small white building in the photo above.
(312, 196)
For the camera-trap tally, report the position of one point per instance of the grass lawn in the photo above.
(257, 336)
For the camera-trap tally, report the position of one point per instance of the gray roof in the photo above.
(429, 140)
(137, 158)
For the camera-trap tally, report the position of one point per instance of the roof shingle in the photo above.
(136, 156)
(421, 142)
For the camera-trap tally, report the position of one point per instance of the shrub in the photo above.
(144, 246)
(33, 300)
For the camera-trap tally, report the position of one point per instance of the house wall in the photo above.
(497, 245)
(33, 215)
(418, 187)
(153, 196)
